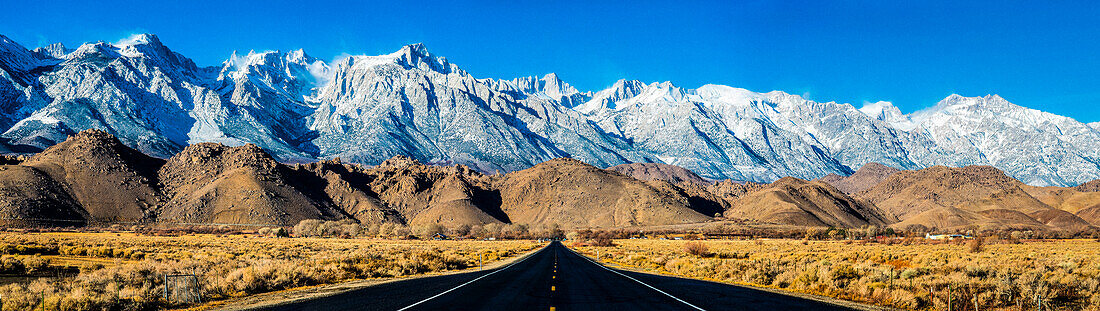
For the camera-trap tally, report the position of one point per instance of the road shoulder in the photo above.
(819, 298)
(277, 298)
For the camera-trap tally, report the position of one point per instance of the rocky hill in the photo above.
(1091, 186)
(951, 198)
(659, 171)
(806, 203)
(94, 178)
(574, 194)
(111, 181)
(865, 177)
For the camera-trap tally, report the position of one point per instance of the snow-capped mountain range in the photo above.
(366, 109)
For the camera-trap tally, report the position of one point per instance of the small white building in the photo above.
(946, 236)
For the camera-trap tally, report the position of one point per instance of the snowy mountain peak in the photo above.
(139, 39)
(417, 56)
(664, 92)
(292, 72)
(144, 46)
(886, 112)
(298, 56)
(610, 97)
(55, 50)
(94, 51)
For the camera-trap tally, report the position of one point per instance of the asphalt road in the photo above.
(556, 278)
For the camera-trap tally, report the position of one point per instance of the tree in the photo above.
(429, 230)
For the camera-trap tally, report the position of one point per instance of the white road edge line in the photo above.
(474, 280)
(635, 280)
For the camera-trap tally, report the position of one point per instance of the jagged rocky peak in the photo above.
(149, 46)
(55, 50)
(417, 56)
(550, 85)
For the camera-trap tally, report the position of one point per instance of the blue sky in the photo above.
(1039, 54)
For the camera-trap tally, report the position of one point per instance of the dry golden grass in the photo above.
(1063, 274)
(124, 271)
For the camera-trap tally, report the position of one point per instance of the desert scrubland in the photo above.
(990, 274)
(125, 271)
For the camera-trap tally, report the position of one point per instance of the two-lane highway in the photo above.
(556, 278)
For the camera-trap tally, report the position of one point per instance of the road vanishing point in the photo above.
(556, 278)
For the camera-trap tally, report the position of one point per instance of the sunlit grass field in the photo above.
(125, 271)
(906, 274)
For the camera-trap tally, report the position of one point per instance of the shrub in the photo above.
(977, 245)
(602, 241)
(697, 249)
(11, 265)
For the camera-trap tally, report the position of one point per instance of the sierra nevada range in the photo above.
(367, 109)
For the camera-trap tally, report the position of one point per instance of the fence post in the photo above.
(950, 294)
(198, 288)
(166, 289)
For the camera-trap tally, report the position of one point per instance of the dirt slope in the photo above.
(110, 180)
(574, 194)
(30, 197)
(1091, 214)
(1066, 199)
(806, 203)
(659, 171)
(942, 197)
(865, 177)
